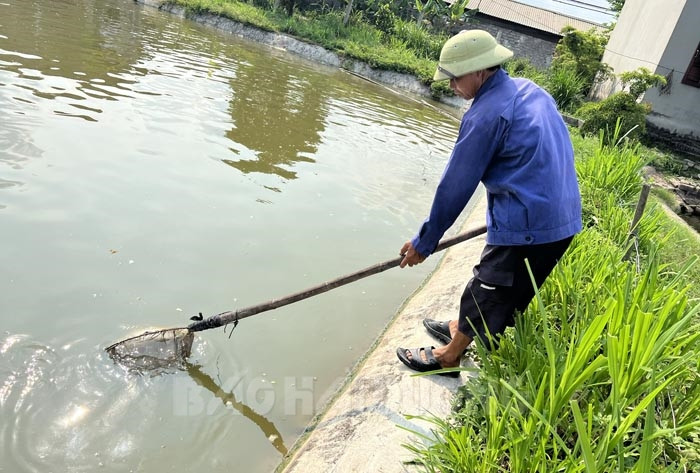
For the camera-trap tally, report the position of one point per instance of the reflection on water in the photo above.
(277, 118)
(93, 61)
(152, 168)
(229, 399)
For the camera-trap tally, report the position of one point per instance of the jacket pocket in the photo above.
(517, 214)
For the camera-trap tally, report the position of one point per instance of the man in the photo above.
(514, 141)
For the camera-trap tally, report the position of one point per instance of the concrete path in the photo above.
(359, 432)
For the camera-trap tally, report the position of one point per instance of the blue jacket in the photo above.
(514, 140)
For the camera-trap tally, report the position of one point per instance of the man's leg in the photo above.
(487, 308)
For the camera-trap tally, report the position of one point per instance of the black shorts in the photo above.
(501, 286)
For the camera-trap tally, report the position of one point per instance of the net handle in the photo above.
(228, 317)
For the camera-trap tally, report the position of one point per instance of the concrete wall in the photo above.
(660, 35)
(642, 33)
(537, 47)
(677, 107)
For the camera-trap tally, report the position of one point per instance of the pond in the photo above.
(151, 169)
(693, 221)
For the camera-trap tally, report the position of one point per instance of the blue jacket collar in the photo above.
(499, 76)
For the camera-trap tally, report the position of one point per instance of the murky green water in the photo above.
(693, 221)
(150, 169)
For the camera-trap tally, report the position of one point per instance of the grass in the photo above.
(667, 161)
(601, 372)
(666, 197)
(239, 11)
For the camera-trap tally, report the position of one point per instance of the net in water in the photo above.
(155, 351)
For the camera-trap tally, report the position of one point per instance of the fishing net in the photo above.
(156, 351)
(166, 349)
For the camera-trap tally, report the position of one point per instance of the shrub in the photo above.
(640, 81)
(566, 87)
(401, 8)
(430, 9)
(384, 18)
(604, 115)
(581, 52)
(418, 39)
(562, 83)
(521, 67)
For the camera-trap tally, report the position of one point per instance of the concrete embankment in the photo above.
(360, 430)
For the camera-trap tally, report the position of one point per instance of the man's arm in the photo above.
(470, 158)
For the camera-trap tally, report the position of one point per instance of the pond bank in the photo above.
(360, 429)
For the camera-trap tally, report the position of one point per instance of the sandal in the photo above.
(416, 361)
(439, 330)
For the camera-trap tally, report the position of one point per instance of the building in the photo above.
(664, 37)
(527, 30)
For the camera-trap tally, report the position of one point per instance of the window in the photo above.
(692, 75)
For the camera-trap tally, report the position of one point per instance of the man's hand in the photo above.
(410, 256)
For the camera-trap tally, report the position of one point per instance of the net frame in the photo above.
(154, 351)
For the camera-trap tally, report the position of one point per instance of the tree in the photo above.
(429, 9)
(348, 11)
(616, 5)
(287, 4)
(581, 52)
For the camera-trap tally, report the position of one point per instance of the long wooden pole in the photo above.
(228, 317)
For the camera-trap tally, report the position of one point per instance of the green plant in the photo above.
(401, 8)
(384, 18)
(522, 67)
(605, 114)
(616, 5)
(419, 39)
(458, 10)
(665, 161)
(581, 52)
(428, 9)
(641, 80)
(601, 372)
(238, 11)
(264, 4)
(440, 88)
(566, 87)
(610, 180)
(562, 83)
(667, 197)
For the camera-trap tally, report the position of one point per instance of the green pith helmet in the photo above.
(469, 51)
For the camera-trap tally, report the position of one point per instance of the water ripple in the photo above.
(68, 407)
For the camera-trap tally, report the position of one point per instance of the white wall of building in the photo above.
(660, 35)
(678, 110)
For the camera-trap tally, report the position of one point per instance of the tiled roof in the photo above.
(526, 15)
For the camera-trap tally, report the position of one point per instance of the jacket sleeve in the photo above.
(476, 146)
